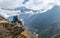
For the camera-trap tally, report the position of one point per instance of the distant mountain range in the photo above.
(39, 21)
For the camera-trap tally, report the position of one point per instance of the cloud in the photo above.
(7, 13)
(11, 4)
(42, 5)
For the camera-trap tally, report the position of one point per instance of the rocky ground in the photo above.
(10, 30)
(13, 30)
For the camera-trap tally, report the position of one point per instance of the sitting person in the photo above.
(15, 19)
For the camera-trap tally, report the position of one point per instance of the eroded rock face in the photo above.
(10, 30)
(13, 30)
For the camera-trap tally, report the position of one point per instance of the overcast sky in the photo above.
(41, 5)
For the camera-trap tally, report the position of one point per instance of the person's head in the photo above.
(17, 14)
